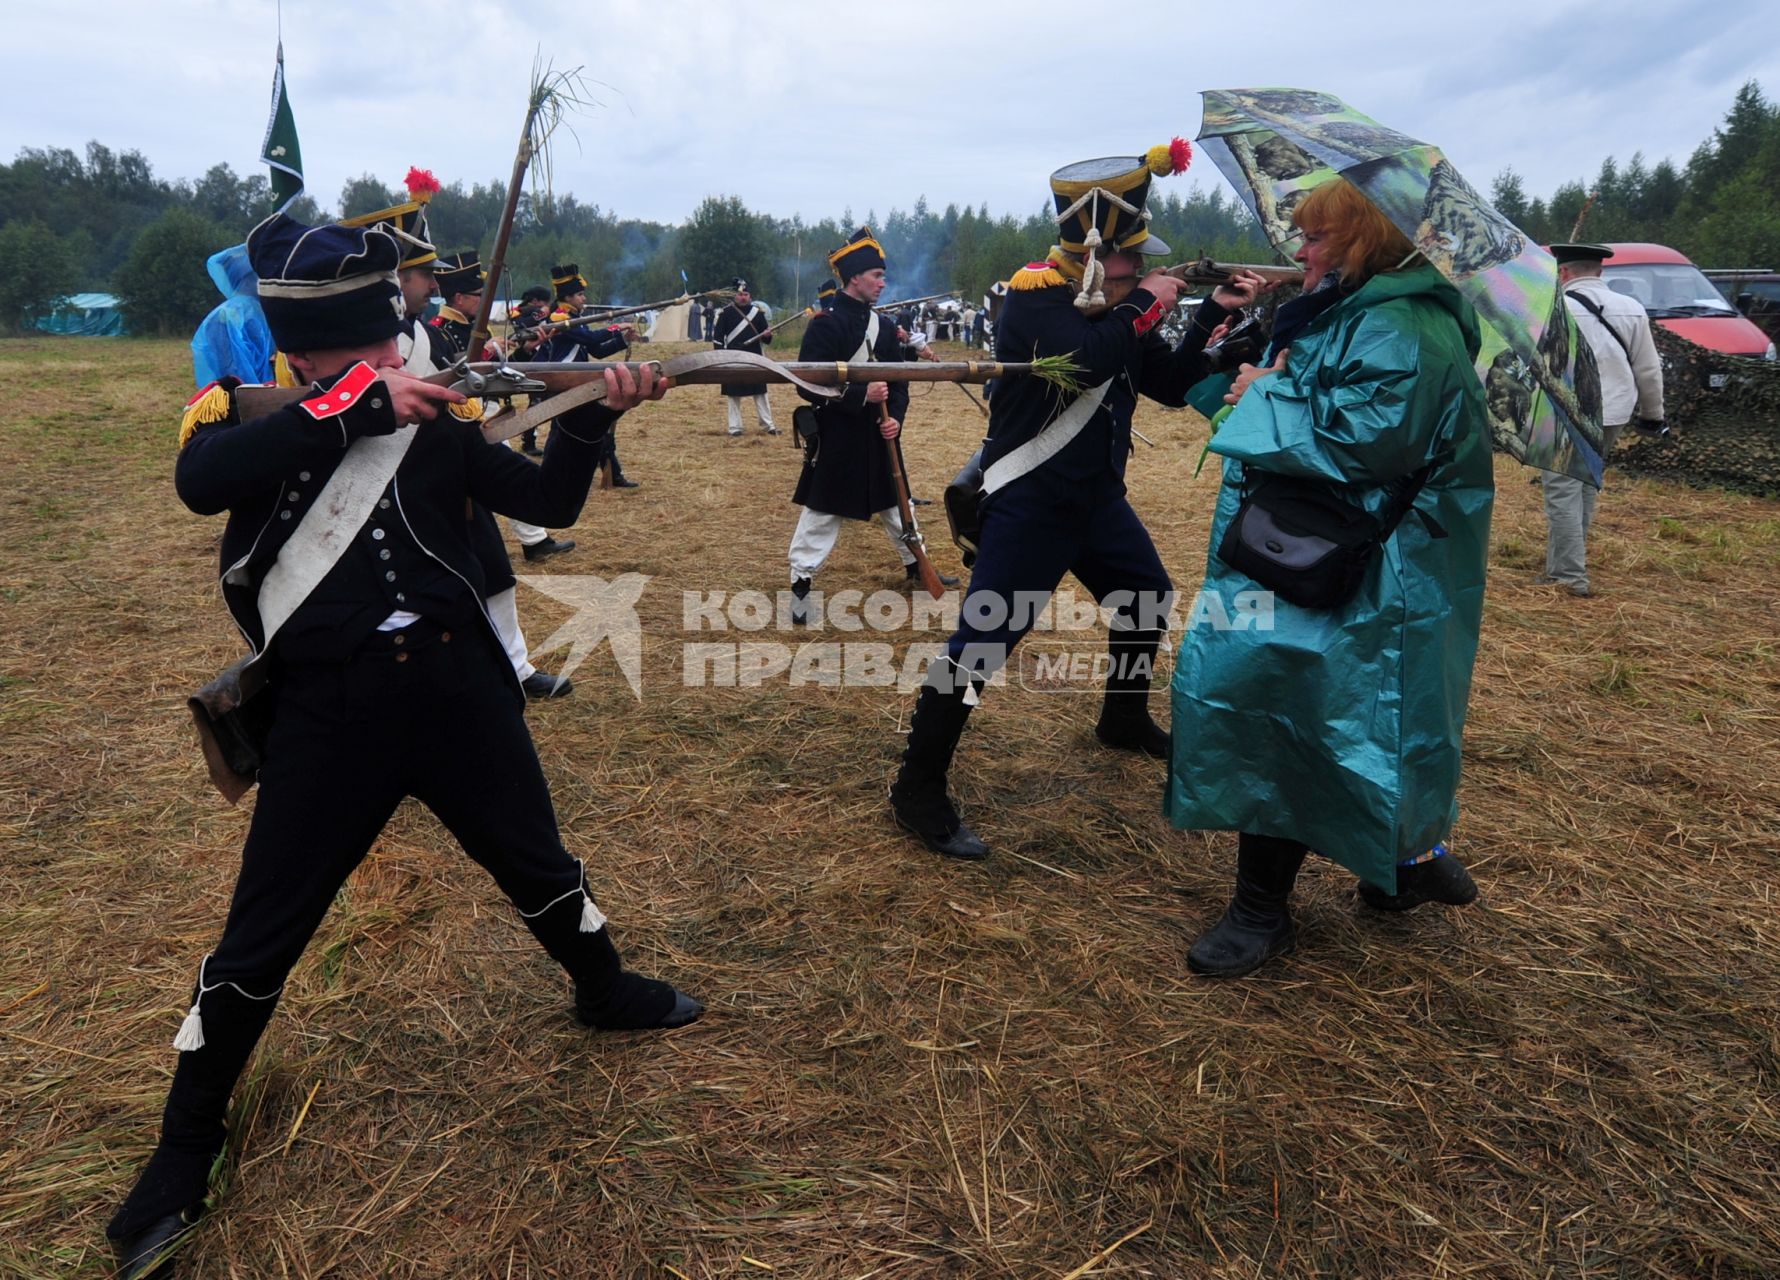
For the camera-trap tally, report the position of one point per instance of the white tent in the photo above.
(670, 323)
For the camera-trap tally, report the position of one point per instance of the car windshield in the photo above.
(1668, 288)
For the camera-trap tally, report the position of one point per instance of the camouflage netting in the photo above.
(1728, 438)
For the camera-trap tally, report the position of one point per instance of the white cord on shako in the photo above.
(1093, 273)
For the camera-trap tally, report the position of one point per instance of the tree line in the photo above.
(104, 222)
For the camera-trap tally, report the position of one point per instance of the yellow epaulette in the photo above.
(1037, 275)
(469, 411)
(213, 403)
(282, 374)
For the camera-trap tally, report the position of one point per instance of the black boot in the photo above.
(912, 573)
(918, 796)
(1125, 715)
(1442, 878)
(800, 602)
(529, 444)
(168, 1197)
(608, 997)
(1257, 924)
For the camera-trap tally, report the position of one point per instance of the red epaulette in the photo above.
(342, 396)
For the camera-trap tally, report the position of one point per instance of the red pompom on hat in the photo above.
(1170, 159)
(422, 185)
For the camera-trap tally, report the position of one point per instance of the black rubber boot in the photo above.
(608, 997)
(168, 1197)
(1257, 925)
(918, 796)
(1439, 879)
(1125, 715)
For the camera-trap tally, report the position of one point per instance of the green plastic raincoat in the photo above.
(1341, 728)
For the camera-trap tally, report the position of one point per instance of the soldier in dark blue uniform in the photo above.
(846, 471)
(742, 326)
(1054, 478)
(347, 563)
(575, 342)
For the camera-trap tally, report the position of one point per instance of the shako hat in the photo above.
(568, 280)
(862, 252)
(740, 285)
(459, 273)
(1101, 207)
(407, 221)
(1580, 253)
(328, 286)
(825, 294)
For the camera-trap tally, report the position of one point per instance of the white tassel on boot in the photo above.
(191, 1031)
(592, 920)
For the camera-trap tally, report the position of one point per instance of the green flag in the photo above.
(280, 150)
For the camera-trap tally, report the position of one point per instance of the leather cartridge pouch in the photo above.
(233, 715)
(964, 508)
(806, 430)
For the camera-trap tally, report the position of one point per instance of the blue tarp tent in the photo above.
(86, 315)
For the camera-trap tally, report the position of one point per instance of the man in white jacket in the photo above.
(1618, 332)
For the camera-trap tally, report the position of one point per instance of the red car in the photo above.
(1680, 298)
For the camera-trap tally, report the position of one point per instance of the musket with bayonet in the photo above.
(573, 383)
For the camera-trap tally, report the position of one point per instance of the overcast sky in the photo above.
(813, 108)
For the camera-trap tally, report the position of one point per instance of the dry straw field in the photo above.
(909, 1068)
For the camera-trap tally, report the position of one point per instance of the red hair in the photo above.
(1361, 241)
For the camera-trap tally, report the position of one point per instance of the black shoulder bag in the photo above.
(1306, 545)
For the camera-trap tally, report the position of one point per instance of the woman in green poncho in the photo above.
(1338, 730)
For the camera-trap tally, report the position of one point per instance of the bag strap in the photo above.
(1594, 309)
(1403, 503)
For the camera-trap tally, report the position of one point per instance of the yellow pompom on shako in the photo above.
(1101, 206)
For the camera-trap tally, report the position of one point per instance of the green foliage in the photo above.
(1718, 210)
(366, 194)
(723, 240)
(35, 264)
(164, 288)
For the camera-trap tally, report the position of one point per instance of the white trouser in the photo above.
(762, 410)
(817, 532)
(503, 609)
(529, 535)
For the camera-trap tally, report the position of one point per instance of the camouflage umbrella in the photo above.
(1541, 384)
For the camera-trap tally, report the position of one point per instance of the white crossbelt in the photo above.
(328, 527)
(1048, 443)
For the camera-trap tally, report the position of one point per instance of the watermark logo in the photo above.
(603, 611)
(747, 639)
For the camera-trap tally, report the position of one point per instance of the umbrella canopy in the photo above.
(1541, 384)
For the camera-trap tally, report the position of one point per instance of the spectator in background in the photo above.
(1618, 332)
